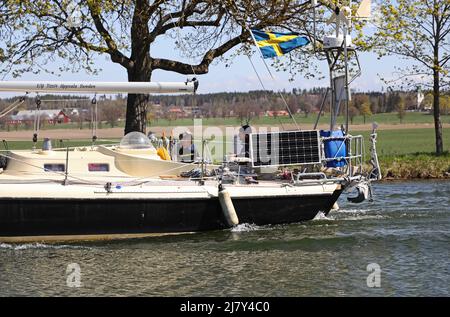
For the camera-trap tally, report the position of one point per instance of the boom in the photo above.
(99, 87)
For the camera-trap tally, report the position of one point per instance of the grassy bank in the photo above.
(408, 154)
(416, 166)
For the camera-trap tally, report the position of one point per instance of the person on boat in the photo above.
(153, 139)
(242, 144)
(242, 153)
(188, 151)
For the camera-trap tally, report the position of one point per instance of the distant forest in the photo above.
(242, 105)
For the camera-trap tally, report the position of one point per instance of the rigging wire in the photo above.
(13, 106)
(244, 25)
(273, 78)
(262, 85)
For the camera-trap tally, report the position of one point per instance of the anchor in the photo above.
(364, 192)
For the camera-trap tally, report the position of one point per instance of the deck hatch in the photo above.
(54, 167)
(98, 167)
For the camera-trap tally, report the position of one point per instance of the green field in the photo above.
(382, 118)
(407, 141)
(390, 142)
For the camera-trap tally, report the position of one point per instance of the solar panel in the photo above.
(285, 148)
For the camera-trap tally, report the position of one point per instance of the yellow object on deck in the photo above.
(163, 154)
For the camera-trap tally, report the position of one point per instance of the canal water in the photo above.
(398, 245)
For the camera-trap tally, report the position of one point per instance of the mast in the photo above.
(337, 49)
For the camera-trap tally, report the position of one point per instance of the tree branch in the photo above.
(113, 51)
(161, 27)
(203, 67)
(183, 23)
(444, 61)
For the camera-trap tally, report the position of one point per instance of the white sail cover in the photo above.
(99, 87)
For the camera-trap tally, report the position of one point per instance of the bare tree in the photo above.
(112, 111)
(418, 31)
(401, 108)
(36, 32)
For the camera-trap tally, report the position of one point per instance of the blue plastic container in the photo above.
(336, 149)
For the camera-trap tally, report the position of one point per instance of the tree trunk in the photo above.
(139, 70)
(437, 114)
(136, 117)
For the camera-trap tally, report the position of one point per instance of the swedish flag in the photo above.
(274, 44)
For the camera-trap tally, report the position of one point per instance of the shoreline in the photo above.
(417, 166)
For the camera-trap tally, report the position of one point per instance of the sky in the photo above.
(238, 76)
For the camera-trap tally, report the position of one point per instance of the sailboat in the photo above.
(127, 190)
(131, 190)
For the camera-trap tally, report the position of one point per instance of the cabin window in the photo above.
(55, 167)
(98, 167)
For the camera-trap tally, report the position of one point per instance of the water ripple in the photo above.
(406, 231)
(31, 246)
